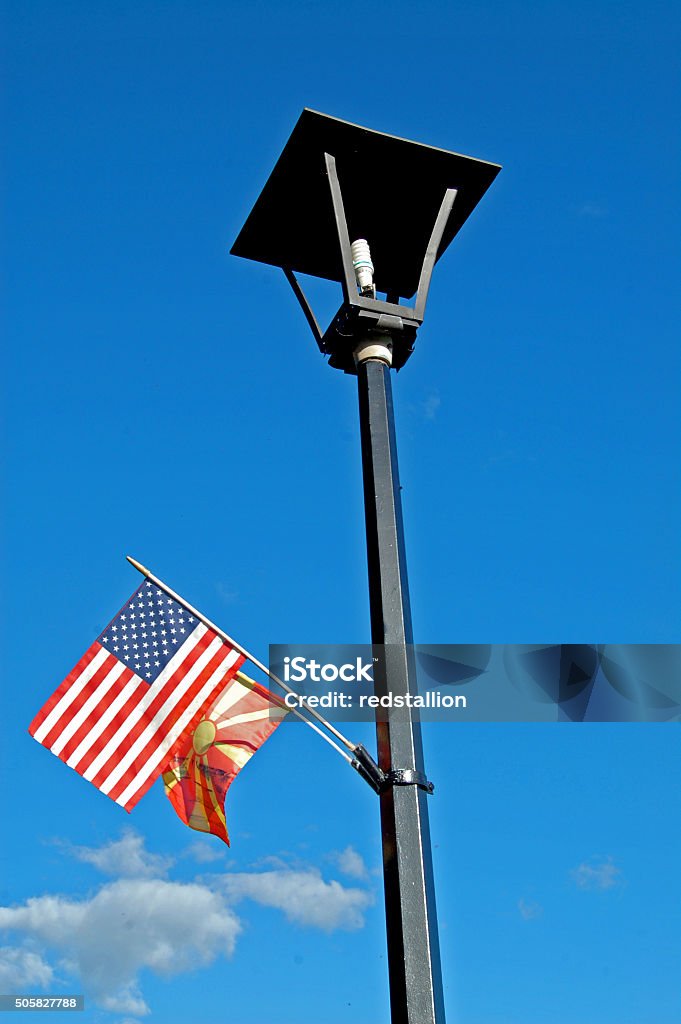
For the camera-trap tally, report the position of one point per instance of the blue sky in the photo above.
(164, 399)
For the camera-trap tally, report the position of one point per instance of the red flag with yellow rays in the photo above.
(203, 768)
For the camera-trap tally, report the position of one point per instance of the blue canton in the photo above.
(148, 631)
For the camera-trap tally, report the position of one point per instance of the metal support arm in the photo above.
(431, 252)
(305, 306)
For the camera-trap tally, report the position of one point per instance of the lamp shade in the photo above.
(392, 190)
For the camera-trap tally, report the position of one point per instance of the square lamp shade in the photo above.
(391, 188)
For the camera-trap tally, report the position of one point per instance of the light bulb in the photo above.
(364, 268)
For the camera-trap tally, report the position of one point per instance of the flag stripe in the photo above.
(107, 693)
(67, 692)
(154, 694)
(92, 682)
(113, 718)
(88, 699)
(132, 793)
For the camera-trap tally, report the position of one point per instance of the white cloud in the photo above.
(22, 970)
(137, 922)
(598, 873)
(128, 925)
(431, 406)
(529, 910)
(124, 857)
(350, 863)
(205, 852)
(303, 896)
(128, 1000)
(272, 860)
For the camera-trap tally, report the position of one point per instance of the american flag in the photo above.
(135, 693)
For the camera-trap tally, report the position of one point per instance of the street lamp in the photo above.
(375, 212)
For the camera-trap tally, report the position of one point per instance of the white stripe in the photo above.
(92, 701)
(134, 717)
(70, 695)
(162, 750)
(108, 716)
(250, 716)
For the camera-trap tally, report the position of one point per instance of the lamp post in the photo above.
(401, 203)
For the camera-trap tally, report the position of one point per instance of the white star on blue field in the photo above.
(166, 400)
(146, 633)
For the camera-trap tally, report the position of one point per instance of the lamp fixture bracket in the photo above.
(361, 315)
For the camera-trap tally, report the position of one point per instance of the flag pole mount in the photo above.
(317, 216)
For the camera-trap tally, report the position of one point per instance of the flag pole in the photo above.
(258, 664)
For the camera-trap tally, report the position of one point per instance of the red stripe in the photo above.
(127, 739)
(151, 747)
(116, 722)
(96, 712)
(73, 675)
(102, 672)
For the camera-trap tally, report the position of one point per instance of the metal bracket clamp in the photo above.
(364, 764)
(408, 777)
(379, 780)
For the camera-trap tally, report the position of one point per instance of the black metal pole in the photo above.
(413, 948)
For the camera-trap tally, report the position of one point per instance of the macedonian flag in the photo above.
(203, 768)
